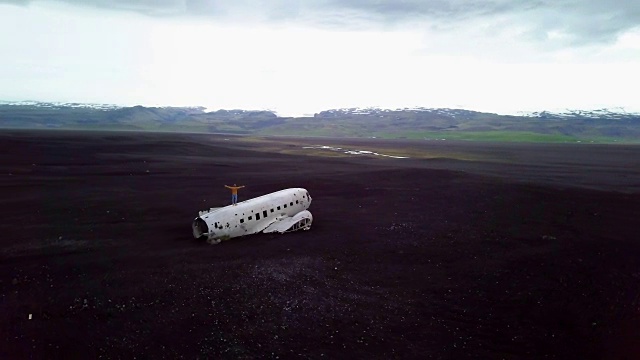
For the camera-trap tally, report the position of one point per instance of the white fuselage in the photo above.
(271, 212)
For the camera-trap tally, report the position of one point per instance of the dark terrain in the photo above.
(526, 251)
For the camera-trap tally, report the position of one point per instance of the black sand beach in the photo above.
(462, 250)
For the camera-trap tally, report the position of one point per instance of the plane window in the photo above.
(264, 213)
(291, 203)
(271, 210)
(285, 206)
(241, 221)
(257, 216)
(250, 217)
(278, 207)
(296, 201)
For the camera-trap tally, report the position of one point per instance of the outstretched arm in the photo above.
(240, 187)
(228, 187)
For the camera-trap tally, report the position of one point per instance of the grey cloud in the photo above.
(400, 10)
(581, 21)
(15, 2)
(149, 7)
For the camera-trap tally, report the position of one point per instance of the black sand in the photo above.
(520, 251)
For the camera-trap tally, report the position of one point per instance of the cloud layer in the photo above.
(569, 23)
(306, 56)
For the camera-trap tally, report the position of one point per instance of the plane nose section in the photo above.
(200, 228)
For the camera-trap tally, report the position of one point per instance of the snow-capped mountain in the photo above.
(382, 112)
(60, 105)
(605, 113)
(600, 125)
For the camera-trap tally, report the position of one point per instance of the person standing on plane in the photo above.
(234, 193)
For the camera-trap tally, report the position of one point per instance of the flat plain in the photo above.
(437, 250)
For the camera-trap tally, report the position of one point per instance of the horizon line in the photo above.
(279, 113)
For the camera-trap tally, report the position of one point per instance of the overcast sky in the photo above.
(300, 57)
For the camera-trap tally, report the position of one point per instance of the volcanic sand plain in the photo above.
(458, 250)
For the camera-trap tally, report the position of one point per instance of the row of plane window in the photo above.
(264, 212)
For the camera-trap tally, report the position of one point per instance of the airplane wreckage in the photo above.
(281, 211)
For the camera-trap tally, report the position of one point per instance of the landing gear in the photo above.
(303, 224)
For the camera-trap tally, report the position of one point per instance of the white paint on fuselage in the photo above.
(253, 215)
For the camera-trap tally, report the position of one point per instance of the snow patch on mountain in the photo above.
(382, 111)
(58, 105)
(558, 114)
(608, 113)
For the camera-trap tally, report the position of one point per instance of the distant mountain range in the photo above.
(598, 126)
